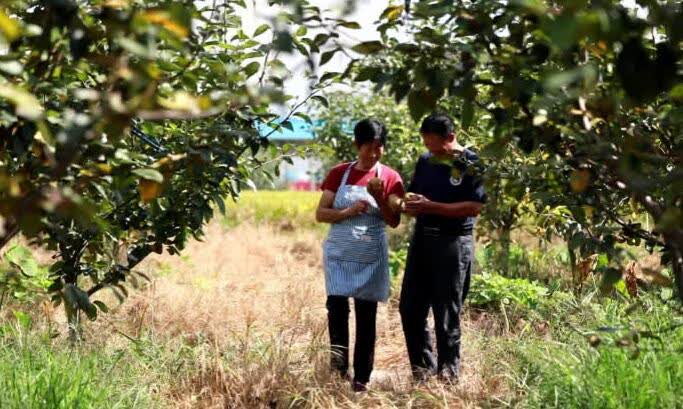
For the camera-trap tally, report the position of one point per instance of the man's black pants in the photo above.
(437, 276)
(338, 325)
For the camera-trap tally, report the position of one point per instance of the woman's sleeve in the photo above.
(332, 180)
(395, 186)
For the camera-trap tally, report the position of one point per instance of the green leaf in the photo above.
(301, 31)
(420, 102)
(79, 299)
(252, 68)
(350, 25)
(261, 29)
(533, 6)
(563, 79)
(283, 41)
(563, 31)
(677, 93)
(329, 76)
(392, 13)
(25, 104)
(327, 56)
(149, 174)
(23, 258)
(368, 47)
(23, 319)
(287, 125)
(610, 277)
(322, 100)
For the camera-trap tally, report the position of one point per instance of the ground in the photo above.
(275, 292)
(238, 320)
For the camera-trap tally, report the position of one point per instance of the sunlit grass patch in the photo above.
(287, 209)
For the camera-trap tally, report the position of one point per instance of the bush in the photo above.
(536, 263)
(22, 278)
(492, 289)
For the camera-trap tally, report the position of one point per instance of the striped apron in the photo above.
(355, 253)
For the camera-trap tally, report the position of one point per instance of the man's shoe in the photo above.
(450, 376)
(359, 386)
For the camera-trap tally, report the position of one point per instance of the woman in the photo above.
(355, 201)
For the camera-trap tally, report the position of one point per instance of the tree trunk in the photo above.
(73, 320)
(11, 230)
(505, 243)
(676, 249)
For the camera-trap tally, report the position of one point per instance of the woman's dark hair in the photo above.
(439, 124)
(369, 130)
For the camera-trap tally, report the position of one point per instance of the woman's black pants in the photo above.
(338, 325)
(437, 277)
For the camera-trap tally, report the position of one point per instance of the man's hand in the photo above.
(376, 189)
(357, 208)
(416, 204)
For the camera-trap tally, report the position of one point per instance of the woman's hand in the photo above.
(357, 208)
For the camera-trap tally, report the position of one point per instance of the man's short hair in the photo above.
(369, 130)
(438, 124)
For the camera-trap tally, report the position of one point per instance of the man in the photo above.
(446, 198)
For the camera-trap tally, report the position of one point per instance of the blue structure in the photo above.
(299, 175)
(301, 131)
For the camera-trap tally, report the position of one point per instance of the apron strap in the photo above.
(346, 174)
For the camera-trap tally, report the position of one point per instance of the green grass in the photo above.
(276, 207)
(636, 360)
(36, 374)
(571, 376)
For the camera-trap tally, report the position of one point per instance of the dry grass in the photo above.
(249, 304)
(239, 321)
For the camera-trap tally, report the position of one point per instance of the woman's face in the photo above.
(370, 153)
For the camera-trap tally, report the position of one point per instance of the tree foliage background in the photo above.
(578, 104)
(123, 124)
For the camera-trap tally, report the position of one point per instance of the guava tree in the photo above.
(123, 124)
(590, 89)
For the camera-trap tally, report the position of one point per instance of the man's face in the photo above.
(371, 153)
(436, 144)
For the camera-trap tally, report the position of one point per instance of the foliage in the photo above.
(404, 144)
(21, 276)
(560, 88)
(489, 289)
(123, 123)
(545, 262)
(397, 262)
